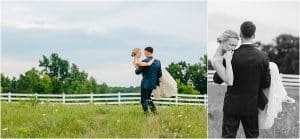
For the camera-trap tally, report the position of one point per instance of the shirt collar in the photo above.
(246, 43)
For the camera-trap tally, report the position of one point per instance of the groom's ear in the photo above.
(253, 37)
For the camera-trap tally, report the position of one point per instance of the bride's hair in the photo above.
(134, 51)
(226, 35)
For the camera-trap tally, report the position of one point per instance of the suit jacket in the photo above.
(151, 74)
(251, 74)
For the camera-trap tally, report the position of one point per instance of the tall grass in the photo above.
(57, 120)
(286, 125)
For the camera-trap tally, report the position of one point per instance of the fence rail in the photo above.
(111, 98)
(288, 80)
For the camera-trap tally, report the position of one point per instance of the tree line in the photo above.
(190, 78)
(57, 76)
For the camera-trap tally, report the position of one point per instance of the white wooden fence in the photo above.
(288, 80)
(111, 98)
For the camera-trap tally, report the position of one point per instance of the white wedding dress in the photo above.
(276, 94)
(167, 86)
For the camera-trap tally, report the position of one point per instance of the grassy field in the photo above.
(287, 125)
(57, 120)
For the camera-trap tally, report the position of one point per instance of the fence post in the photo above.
(63, 98)
(119, 98)
(91, 98)
(36, 96)
(176, 96)
(9, 97)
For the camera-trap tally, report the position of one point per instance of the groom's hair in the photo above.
(248, 29)
(149, 49)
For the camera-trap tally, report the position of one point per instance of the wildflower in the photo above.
(44, 114)
(4, 129)
(174, 135)
(189, 126)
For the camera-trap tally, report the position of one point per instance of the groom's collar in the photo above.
(246, 45)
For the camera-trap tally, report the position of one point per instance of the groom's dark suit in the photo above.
(251, 75)
(151, 75)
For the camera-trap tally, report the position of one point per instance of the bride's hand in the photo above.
(228, 55)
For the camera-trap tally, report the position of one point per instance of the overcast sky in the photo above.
(271, 18)
(99, 36)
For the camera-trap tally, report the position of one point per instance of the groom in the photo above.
(244, 97)
(151, 75)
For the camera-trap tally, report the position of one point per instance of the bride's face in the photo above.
(230, 44)
(138, 54)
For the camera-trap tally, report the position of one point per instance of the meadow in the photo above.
(286, 125)
(88, 121)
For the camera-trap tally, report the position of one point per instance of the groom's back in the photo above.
(249, 65)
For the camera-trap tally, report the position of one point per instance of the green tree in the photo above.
(13, 88)
(193, 75)
(55, 66)
(47, 84)
(103, 88)
(185, 88)
(5, 84)
(94, 85)
(179, 71)
(30, 82)
(57, 86)
(197, 75)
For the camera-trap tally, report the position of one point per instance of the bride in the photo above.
(276, 93)
(167, 85)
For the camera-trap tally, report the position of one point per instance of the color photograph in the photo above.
(103, 69)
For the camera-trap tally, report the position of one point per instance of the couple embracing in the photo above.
(254, 89)
(156, 80)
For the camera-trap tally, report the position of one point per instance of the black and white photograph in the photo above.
(253, 69)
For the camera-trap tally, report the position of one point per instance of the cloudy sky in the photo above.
(271, 18)
(99, 36)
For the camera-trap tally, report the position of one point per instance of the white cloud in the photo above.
(181, 19)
